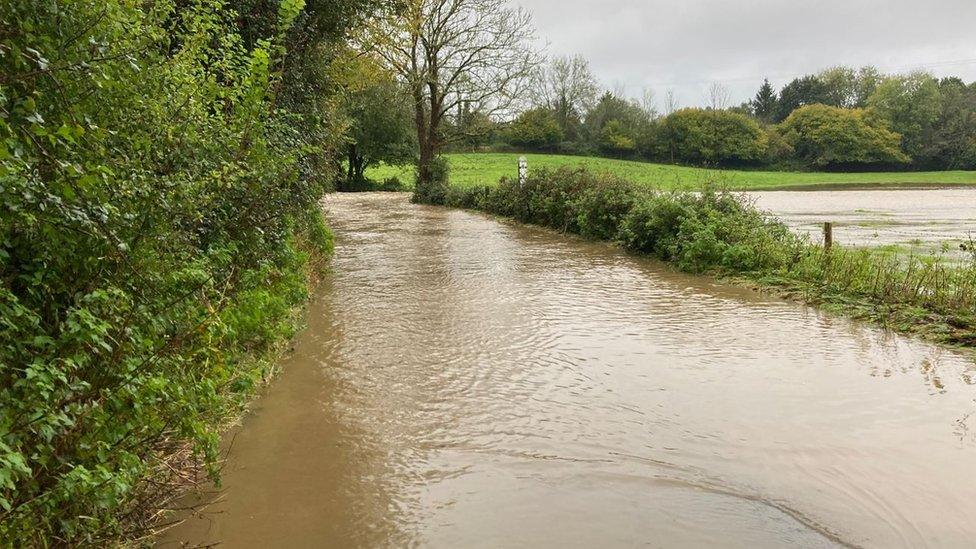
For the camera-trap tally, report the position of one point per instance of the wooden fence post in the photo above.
(828, 235)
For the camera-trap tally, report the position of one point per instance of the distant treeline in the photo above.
(839, 119)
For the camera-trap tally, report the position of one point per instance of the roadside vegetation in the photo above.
(161, 166)
(721, 233)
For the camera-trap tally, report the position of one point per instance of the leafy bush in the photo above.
(602, 205)
(714, 137)
(158, 224)
(436, 191)
(390, 184)
(700, 231)
(535, 129)
(834, 137)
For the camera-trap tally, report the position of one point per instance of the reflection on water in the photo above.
(467, 382)
(926, 217)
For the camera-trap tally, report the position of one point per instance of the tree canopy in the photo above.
(833, 137)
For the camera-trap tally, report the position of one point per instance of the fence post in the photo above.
(828, 229)
(523, 171)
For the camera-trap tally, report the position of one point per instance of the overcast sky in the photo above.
(686, 45)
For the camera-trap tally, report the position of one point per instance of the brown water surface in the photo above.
(469, 382)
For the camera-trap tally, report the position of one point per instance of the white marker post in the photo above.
(523, 172)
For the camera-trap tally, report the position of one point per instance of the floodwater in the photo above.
(911, 217)
(470, 382)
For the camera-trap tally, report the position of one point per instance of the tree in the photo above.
(848, 88)
(912, 104)
(451, 52)
(159, 216)
(951, 144)
(630, 120)
(868, 78)
(714, 137)
(718, 96)
(535, 129)
(671, 102)
(379, 129)
(566, 87)
(832, 137)
(765, 103)
(617, 139)
(808, 90)
(648, 102)
(839, 87)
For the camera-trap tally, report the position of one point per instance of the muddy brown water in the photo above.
(470, 382)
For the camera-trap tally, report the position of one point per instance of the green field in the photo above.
(488, 168)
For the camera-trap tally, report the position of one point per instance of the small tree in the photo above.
(718, 96)
(379, 129)
(617, 139)
(808, 90)
(536, 129)
(764, 105)
(630, 120)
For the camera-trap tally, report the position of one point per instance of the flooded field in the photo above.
(469, 382)
(909, 218)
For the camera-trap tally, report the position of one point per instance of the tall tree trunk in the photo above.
(430, 184)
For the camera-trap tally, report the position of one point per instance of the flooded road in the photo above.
(469, 382)
(912, 218)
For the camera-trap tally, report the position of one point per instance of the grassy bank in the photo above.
(721, 233)
(488, 168)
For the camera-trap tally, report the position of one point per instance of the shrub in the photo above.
(714, 137)
(535, 129)
(833, 137)
(602, 206)
(436, 191)
(158, 215)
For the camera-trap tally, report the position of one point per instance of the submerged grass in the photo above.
(722, 233)
(474, 169)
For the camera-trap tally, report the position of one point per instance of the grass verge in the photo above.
(473, 169)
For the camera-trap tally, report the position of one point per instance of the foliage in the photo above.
(765, 104)
(951, 143)
(834, 137)
(567, 87)
(535, 129)
(616, 139)
(714, 137)
(614, 123)
(435, 188)
(380, 127)
(454, 56)
(911, 104)
(808, 90)
(159, 175)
